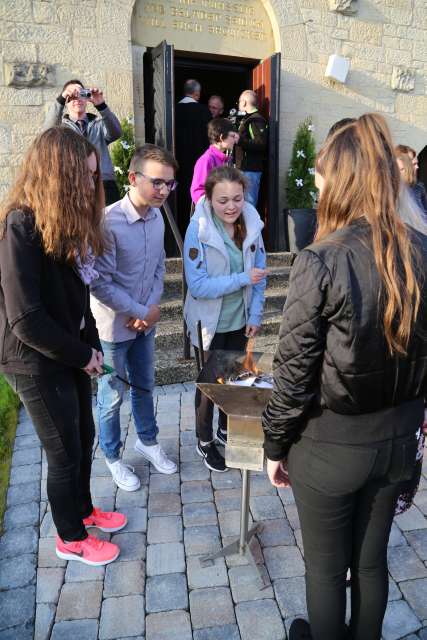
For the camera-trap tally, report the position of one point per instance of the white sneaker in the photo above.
(123, 475)
(157, 457)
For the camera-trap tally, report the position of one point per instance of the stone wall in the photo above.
(386, 41)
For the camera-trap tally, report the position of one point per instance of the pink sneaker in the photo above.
(108, 521)
(90, 551)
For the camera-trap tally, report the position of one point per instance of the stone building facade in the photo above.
(45, 42)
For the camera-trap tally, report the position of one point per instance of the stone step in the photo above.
(172, 368)
(278, 259)
(171, 309)
(277, 277)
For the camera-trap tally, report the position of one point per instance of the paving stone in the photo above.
(275, 533)
(260, 619)
(227, 499)
(165, 558)
(286, 495)
(244, 584)
(404, 564)
(208, 605)
(123, 579)
(171, 625)
(284, 562)
(79, 600)
(102, 488)
(225, 632)
(48, 529)
(15, 573)
(79, 629)
(411, 519)
(27, 473)
(292, 516)
(164, 529)
(396, 539)
(229, 523)
(418, 541)
(99, 469)
(25, 426)
(237, 560)
(161, 483)
(164, 504)
(201, 540)
(17, 607)
(22, 631)
(132, 498)
(420, 501)
(137, 519)
(16, 542)
(22, 457)
(22, 493)
(188, 454)
(79, 572)
(26, 441)
(47, 556)
(393, 590)
(261, 486)
(196, 491)
(49, 584)
(45, 617)
(191, 471)
(132, 546)
(290, 596)
(298, 538)
(399, 620)
(266, 508)
(122, 617)
(22, 515)
(106, 504)
(188, 438)
(415, 593)
(214, 575)
(230, 480)
(199, 514)
(166, 593)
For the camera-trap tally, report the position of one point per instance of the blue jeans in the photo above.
(134, 361)
(254, 180)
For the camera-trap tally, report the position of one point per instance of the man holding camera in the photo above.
(100, 130)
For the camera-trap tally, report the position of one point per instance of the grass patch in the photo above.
(9, 405)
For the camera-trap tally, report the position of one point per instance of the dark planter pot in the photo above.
(301, 226)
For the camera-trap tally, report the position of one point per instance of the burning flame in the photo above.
(248, 363)
(220, 380)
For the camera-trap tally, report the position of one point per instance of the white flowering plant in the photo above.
(121, 152)
(300, 187)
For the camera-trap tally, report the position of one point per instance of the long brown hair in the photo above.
(362, 179)
(226, 173)
(406, 167)
(55, 185)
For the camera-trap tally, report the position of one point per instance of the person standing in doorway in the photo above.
(100, 130)
(125, 303)
(216, 106)
(251, 150)
(191, 140)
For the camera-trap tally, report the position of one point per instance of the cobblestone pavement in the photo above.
(157, 589)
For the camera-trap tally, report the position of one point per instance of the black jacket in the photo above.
(332, 371)
(42, 303)
(251, 150)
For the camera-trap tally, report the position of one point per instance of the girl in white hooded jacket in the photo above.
(224, 260)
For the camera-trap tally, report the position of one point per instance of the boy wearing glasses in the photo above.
(125, 303)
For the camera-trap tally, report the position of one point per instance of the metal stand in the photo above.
(241, 545)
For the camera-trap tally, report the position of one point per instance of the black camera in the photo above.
(236, 117)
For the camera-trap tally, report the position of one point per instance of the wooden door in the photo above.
(266, 84)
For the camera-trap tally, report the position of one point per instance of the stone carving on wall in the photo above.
(29, 74)
(403, 79)
(347, 7)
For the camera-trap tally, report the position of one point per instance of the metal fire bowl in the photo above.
(242, 405)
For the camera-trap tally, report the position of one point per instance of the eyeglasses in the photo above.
(158, 183)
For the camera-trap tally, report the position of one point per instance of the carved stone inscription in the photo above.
(347, 7)
(403, 79)
(29, 74)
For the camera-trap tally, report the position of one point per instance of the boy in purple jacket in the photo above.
(222, 137)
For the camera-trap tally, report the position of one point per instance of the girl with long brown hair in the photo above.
(50, 233)
(350, 376)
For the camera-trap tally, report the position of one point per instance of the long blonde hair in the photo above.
(362, 179)
(55, 185)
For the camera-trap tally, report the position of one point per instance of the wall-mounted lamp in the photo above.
(337, 68)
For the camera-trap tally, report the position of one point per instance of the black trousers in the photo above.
(346, 496)
(111, 191)
(230, 341)
(60, 406)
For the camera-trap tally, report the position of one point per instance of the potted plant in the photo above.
(301, 193)
(121, 152)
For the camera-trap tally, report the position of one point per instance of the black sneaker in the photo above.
(221, 436)
(300, 630)
(211, 457)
